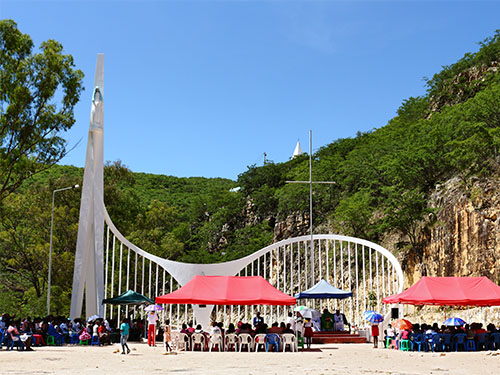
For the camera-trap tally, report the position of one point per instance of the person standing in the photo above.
(375, 334)
(124, 332)
(167, 335)
(308, 332)
(257, 319)
(152, 319)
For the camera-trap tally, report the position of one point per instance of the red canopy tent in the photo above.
(450, 291)
(227, 290)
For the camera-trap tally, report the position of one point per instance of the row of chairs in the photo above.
(231, 341)
(447, 342)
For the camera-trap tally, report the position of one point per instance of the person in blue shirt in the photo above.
(257, 320)
(124, 332)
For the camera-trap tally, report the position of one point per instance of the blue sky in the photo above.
(204, 88)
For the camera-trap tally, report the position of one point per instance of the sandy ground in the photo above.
(324, 359)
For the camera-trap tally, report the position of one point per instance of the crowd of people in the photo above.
(58, 330)
(440, 338)
(293, 325)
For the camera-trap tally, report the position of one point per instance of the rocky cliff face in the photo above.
(464, 239)
(293, 226)
(461, 238)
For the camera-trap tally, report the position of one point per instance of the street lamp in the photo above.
(50, 247)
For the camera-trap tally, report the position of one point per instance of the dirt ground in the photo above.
(322, 359)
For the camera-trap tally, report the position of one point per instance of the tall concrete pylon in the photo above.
(88, 273)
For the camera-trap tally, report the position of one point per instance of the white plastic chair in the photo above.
(291, 340)
(216, 339)
(182, 341)
(231, 339)
(245, 339)
(259, 339)
(198, 339)
(174, 340)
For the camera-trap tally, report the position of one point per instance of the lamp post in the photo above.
(50, 247)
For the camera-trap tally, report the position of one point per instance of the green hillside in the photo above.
(383, 181)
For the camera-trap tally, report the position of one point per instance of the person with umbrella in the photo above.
(152, 320)
(374, 318)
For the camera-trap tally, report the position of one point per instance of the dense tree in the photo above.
(31, 119)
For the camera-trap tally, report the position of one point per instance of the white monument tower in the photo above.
(298, 150)
(89, 258)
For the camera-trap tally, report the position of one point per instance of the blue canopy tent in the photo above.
(323, 290)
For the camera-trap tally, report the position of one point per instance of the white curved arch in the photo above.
(183, 272)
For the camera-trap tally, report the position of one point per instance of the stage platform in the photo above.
(337, 338)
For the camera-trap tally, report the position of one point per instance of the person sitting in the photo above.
(185, 329)
(221, 327)
(261, 328)
(403, 335)
(246, 328)
(85, 335)
(288, 329)
(390, 332)
(199, 329)
(327, 320)
(104, 337)
(64, 330)
(479, 329)
(16, 336)
(215, 330)
(190, 328)
(338, 320)
(275, 328)
(282, 326)
(230, 328)
(95, 330)
(53, 330)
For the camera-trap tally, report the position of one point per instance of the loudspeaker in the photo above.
(394, 313)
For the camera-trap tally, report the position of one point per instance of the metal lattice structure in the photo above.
(365, 268)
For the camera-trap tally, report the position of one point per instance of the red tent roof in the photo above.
(450, 291)
(227, 290)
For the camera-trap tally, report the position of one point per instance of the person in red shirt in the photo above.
(275, 329)
(375, 334)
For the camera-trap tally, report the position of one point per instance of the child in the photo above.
(308, 332)
(166, 335)
(375, 334)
